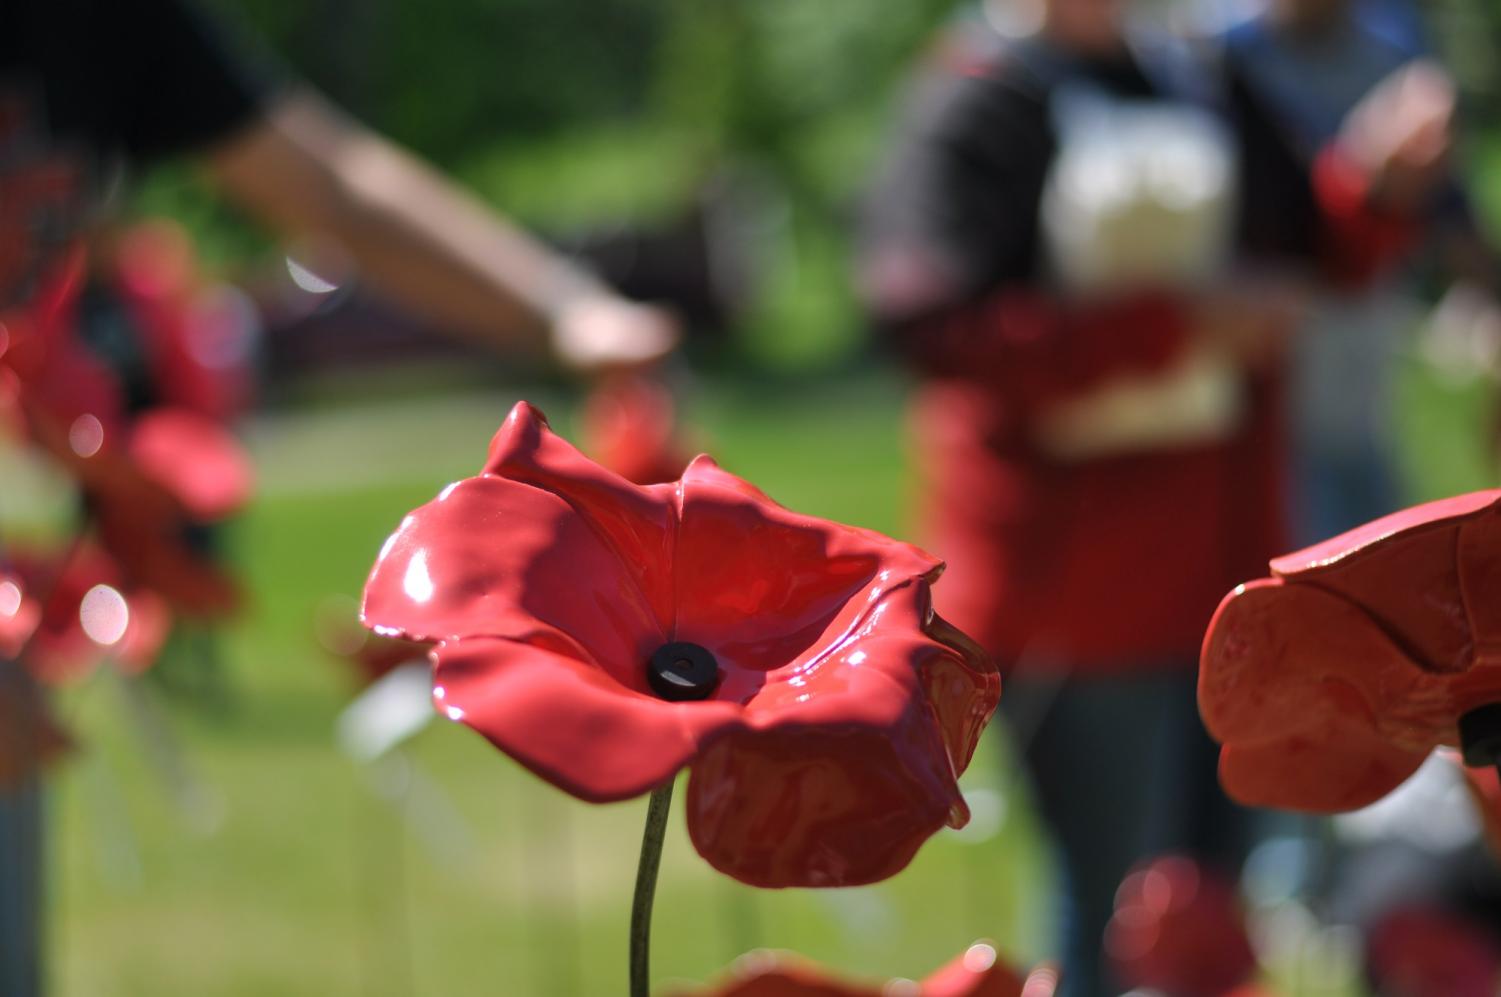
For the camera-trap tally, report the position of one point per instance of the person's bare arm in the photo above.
(306, 169)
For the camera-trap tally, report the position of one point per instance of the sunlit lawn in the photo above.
(447, 870)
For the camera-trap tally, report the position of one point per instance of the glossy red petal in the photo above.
(496, 557)
(1352, 542)
(1317, 709)
(1406, 570)
(764, 587)
(569, 721)
(197, 461)
(830, 748)
(842, 770)
(638, 523)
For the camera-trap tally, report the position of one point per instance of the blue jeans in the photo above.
(1121, 770)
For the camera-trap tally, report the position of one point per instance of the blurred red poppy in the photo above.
(1329, 683)
(630, 427)
(83, 615)
(1178, 929)
(975, 973)
(196, 339)
(154, 494)
(606, 635)
(1417, 951)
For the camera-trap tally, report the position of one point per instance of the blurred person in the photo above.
(1344, 86)
(89, 88)
(1099, 417)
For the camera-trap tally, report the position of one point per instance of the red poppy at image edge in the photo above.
(977, 972)
(829, 749)
(1329, 683)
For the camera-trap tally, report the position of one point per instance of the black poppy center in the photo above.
(682, 672)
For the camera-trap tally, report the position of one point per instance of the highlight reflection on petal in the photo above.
(417, 583)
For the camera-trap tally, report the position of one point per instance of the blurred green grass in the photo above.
(306, 875)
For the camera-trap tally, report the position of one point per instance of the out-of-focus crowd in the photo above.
(1155, 288)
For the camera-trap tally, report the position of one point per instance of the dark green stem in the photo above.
(646, 888)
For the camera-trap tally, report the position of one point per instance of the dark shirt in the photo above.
(1074, 562)
(966, 180)
(126, 79)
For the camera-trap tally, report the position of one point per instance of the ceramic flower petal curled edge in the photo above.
(829, 751)
(1329, 683)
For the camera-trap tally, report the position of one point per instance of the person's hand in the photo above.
(600, 332)
(1401, 134)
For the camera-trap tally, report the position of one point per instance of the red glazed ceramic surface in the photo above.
(1178, 928)
(1330, 682)
(845, 709)
(975, 973)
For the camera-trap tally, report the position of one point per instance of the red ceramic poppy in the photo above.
(1178, 928)
(975, 973)
(87, 616)
(630, 427)
(1330, 682)
(835, 712)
